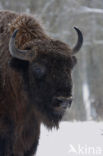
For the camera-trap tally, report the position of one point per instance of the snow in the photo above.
(71, 139)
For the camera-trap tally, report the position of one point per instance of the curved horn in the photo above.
(17, 53)
(79, 42)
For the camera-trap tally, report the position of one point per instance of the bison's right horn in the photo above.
(17, 53)
(79, 42)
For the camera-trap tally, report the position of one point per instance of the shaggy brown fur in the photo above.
(26, 93)
(29, 29)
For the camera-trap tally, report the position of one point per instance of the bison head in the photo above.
(46, 67)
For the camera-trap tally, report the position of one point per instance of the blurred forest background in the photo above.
(59, 17)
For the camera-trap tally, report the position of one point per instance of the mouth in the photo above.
(61, 103)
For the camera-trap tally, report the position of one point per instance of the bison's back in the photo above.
(10, 81)
(5, 19)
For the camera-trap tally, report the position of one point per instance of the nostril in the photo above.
(57, 101)
(70, 100)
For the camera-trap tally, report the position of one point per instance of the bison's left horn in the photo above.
(79, 42)
(17, 53)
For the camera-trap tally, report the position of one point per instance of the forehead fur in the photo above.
(49, 46)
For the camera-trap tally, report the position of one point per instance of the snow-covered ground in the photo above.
(72, 138)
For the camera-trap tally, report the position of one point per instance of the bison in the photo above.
(35, 82)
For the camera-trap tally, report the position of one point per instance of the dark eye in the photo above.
(39, 70)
